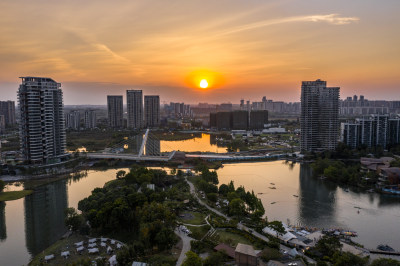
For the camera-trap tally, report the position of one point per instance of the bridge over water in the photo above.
(146, 147)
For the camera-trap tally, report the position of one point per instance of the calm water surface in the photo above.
(27, 226)
(319, 203)
(205, 143)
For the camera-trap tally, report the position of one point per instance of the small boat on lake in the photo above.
(385, 248)
(273, 202)
(272, 187)
(295, 196)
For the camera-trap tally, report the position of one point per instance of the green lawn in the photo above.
(231, 238)
(198, 218)
(197, 232)
(14, 195)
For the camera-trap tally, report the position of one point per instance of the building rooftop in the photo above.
(36, 79)
(228, 249)
(245, 249)
(392, 170)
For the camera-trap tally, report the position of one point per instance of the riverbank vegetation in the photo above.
(12, 195)
(175, 136)
(344, 152)
(95, 140)
(236, 202)
(340, 172)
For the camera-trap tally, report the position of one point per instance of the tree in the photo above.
(232, 195)
(126, 255)
(173, 171)
(179, 173)
(278, 227)
(328, 245)
(347, 258)
(237, 207)
(270, 254)
(73, 220)
(231, 186)
(214, 259)
(2, 185)
(121, 174)
(192, 259)
(223, 189)
(385, 262)
(212, 197)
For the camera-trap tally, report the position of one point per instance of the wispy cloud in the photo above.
(103, 47)
(334, 19)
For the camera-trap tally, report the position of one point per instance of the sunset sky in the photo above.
(244, 49)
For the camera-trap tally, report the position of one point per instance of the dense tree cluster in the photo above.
(338, 171)
(241, 202)
(214, 259)
(127, 207)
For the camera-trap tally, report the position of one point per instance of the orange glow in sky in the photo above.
(205, 79)
(243, 49)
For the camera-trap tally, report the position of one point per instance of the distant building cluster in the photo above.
(374, 130)
(272, 106)
(178, 110)
(139, 115)
(319, 120)
(43, 124)
(359, 106)
(239, 120)
(73, 120)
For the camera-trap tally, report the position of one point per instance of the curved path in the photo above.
(185, 246)
(241, 226)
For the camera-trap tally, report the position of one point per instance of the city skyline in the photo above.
(260, 48)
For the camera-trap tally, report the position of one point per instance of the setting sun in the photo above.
(203, 84)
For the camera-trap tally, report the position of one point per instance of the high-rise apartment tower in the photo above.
(115, 111)
(90, 119)
(319, 116)
(42, 126)
(134, 100)
(152, 111)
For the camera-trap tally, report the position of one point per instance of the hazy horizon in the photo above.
(245, 50)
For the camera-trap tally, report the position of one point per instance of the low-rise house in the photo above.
(391, 175)
(226, 249)
(374, 164)
(245, 255)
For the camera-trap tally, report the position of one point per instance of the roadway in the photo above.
(186, 246)
(218, 157)
(126, 156)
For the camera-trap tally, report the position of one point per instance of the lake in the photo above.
(29, 225)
